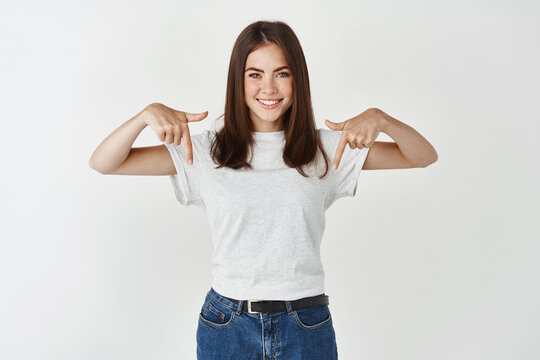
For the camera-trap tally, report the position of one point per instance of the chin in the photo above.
(268, 119)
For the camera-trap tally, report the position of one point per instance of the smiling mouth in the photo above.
(269, 103)
(270, 99)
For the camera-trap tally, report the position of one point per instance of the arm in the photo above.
(414, 148)
(114, 150)
(409, 151)
(115, 154)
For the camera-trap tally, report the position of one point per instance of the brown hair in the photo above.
(231, 144)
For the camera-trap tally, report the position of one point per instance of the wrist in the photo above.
(142, 117)
(385, 121)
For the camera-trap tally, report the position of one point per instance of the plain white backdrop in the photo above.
(429, 263)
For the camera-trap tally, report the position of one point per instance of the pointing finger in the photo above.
(188, 147)
(339, 151)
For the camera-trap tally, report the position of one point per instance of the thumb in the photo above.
(196, 117)
(335, 126)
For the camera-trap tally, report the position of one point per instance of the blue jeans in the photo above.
(228, 332)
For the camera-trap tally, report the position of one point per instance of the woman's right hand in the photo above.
(171, 126)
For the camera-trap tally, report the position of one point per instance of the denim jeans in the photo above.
(228, 332)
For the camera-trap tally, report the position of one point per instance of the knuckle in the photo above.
(161, 132)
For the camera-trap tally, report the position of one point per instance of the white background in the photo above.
(427, 263)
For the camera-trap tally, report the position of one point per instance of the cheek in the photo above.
(250, 89)
(287, 89)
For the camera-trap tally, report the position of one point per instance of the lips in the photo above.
(272, 106)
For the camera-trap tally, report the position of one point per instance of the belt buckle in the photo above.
(249, 306)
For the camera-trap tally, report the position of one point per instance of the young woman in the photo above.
(265, 182)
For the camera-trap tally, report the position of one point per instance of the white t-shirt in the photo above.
(266, 223)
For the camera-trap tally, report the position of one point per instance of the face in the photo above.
(267, 78)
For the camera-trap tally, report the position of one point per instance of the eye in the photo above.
(256, 75)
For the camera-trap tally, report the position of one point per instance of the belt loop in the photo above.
(289, 307)
(239, 307)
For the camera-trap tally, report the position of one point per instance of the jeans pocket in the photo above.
(313, 317)
(216, 314)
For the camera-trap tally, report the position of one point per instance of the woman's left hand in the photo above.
(359, 132)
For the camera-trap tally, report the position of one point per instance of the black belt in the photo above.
(266, 306)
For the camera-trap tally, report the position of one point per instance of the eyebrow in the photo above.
(259, 70)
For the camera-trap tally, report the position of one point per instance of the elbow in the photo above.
(435, 157)
(92, 164)
(432, 160)
(95, 167)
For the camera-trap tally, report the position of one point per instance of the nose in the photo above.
(268, 85)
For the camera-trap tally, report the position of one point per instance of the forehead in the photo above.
(266, 56)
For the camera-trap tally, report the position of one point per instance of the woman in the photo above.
(265, 181)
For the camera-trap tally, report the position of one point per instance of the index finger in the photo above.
(188, 147)
(339, 151)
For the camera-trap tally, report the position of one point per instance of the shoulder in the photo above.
(329, 138)
(327, 134)
(202, 137)
(201, 141)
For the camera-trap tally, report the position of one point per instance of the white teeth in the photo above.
(268, 102)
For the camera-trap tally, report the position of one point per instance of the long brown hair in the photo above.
(231, 145)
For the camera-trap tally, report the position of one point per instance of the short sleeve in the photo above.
(351, 163)
(187, 180)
